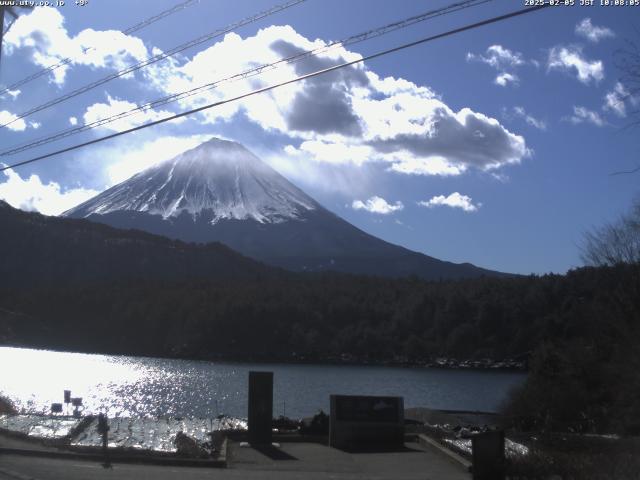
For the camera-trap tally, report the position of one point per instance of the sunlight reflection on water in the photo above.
(153, 387)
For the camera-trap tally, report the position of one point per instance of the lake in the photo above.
(127, 386)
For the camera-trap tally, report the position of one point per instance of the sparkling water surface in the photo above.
(125, 386)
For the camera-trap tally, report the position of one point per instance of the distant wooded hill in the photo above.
(48, 251)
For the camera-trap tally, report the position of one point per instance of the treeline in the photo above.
(587, 379)
(320, 315)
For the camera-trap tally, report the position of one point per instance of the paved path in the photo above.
(292, 461)
(7, 441)
(415, 462)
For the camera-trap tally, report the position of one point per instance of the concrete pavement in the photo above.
(291, 461)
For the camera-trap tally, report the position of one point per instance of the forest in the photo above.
(580, 330)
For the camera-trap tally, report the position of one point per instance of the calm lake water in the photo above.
(157, 387)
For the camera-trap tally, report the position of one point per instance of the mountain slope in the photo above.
(219, 191)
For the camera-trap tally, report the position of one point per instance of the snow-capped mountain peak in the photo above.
(218, 180)
(221, 192)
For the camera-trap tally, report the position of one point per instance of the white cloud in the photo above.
(571, 58)
(498, 57)
(44, 34)
(33, 195)
(502, 59)
(434, 165)
(99, 111)
(306, 171)
(584, 115)
(333, 152)
(505, 78)
(520, 112)
(454, 200)
(616, 100)
(17, 125)
(460, 139)
(348, 117)
(12, 93)
(377, 205)
(592, 32)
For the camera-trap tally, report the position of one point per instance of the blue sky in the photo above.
(494, 146)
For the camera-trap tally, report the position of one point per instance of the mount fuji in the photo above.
(220, 191)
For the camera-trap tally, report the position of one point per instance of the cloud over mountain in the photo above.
(348, 116)
(114, 106)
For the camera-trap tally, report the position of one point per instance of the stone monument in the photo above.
(260, 407)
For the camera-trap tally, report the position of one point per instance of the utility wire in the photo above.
(287, 82)
(159, 16)
(128, 31)
(626, 172)
(156, 58)
(376, 32)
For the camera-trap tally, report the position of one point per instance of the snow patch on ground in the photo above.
(153, 434)
(511, 448)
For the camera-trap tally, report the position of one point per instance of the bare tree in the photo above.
(616, 242)
(619, 241)
(627, 61)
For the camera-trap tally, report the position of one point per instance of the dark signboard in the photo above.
(367, 409)
(363, 422)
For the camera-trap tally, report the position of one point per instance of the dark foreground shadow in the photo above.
(273, 453)
(380, 449)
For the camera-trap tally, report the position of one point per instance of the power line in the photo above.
(156, 58)
(626, 172)
(367, 35)
(287, 82)
(128, 31)
(159, 16)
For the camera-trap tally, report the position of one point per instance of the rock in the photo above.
(189, 447)
(6, 407)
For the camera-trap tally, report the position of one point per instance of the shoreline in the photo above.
(439, 363)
